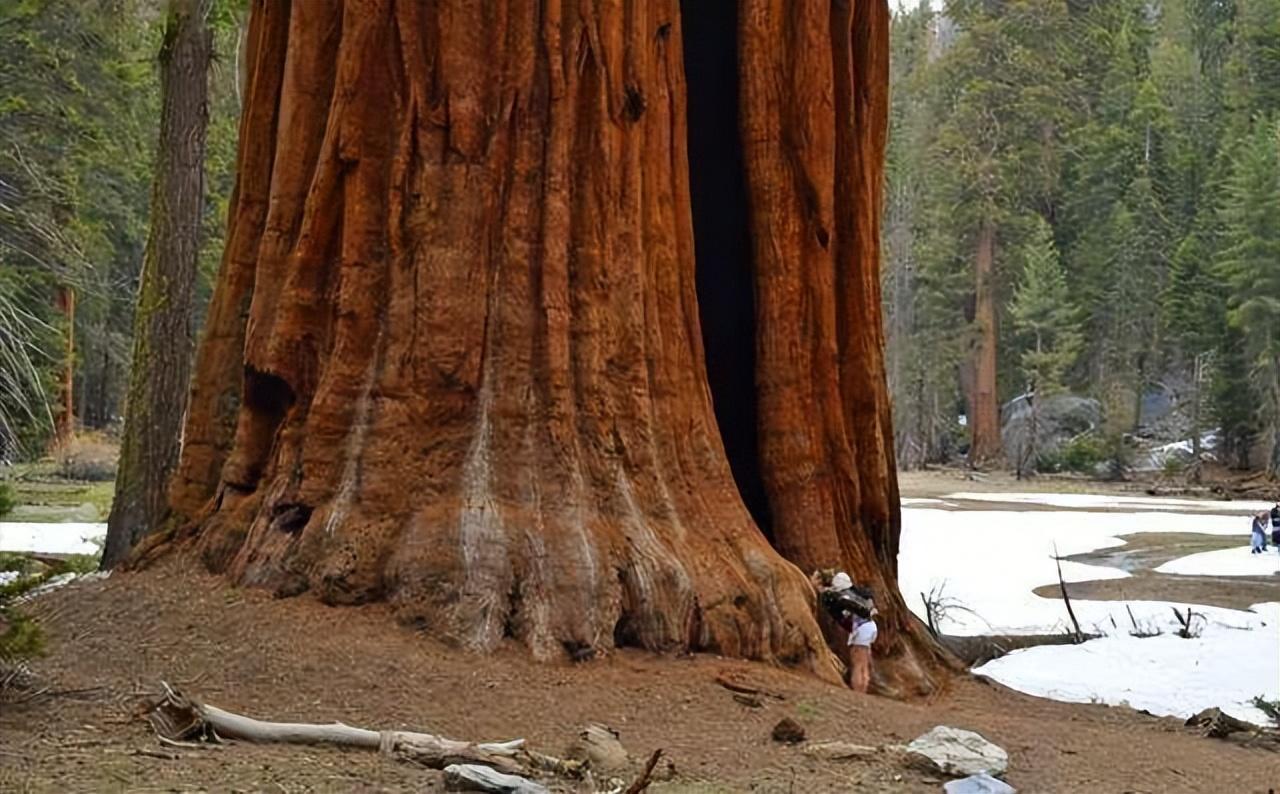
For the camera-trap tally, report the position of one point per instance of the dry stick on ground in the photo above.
(176, 717)
(641, 783)
(727, 681)
(1062, 585)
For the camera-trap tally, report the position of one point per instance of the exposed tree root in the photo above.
(176, 718)
(1216, 724)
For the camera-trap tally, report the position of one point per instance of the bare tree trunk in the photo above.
(985, 446)
(66, 425)
(162, 341)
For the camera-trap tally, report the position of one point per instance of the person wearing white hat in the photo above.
(854, 610)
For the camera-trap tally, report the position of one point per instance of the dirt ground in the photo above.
(111, 642)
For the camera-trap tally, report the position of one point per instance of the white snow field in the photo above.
(1165, 675)
(989, 561)
(55, 538)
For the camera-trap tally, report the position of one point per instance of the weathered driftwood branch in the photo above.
(642, 782)
(176, 717)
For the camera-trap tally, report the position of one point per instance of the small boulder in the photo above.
(957, 752)
(978, 784)
(599, 745)
(474, 777)
(839, 751)
(788, 731)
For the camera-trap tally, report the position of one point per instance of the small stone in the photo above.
(978, 784)
(750, 701)
(957, 752)
(789, 731)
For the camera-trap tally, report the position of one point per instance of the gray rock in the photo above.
(599, 745)
(474, 777)
(978, 784)
(957, 752)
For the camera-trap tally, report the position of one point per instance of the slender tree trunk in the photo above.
(66, 424)
(162, 344)
(985, 446)
(1273, 460)
(454, 358)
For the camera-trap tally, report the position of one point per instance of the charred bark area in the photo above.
(722, 240)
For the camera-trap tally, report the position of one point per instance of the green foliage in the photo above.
(78, 126)
(21, 638)
(7, 499)
(1080, 455)
(1044, 315)
(1145, 136)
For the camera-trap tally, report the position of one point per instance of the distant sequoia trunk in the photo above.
(455, 360)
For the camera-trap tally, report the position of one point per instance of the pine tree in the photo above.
(1044, 316)
(1250, 262)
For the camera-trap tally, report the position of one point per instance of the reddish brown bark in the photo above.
(454, 358)
(815, 103)
(985, 445)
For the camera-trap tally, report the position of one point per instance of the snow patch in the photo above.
(990, 561)
(1165, 675)
(64, 538)
(1225, 562)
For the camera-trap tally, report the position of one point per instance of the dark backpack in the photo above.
(843, 605)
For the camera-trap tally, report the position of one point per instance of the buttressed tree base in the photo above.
(454, 358)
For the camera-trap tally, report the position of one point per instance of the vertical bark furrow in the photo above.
(814, 111)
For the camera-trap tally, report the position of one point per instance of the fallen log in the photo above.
(176, 717)
(978, 649)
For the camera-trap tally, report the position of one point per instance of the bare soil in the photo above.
(111, 642)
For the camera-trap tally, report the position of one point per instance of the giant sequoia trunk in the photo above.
(162, 333)
(985, 445)
(455, 360)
